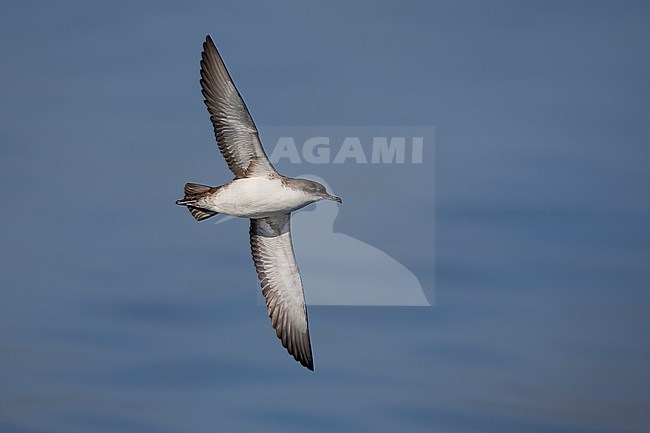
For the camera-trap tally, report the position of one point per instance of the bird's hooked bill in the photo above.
(333, 198)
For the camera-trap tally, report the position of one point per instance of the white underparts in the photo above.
(256, 197)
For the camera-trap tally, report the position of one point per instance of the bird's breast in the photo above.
(257, 198)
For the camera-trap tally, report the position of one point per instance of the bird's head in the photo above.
(317, 191)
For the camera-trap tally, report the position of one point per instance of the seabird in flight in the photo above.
(262, 194)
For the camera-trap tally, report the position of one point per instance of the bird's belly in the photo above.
(257, 198)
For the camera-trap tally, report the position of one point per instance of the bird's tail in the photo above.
(193, 192)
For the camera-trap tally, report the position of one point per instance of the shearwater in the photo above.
(262, 194)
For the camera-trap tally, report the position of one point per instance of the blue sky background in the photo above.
(118, 313)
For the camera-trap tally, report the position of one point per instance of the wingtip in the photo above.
(306, 361)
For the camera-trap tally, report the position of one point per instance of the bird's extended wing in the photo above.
(281, 284)
(234, 129)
